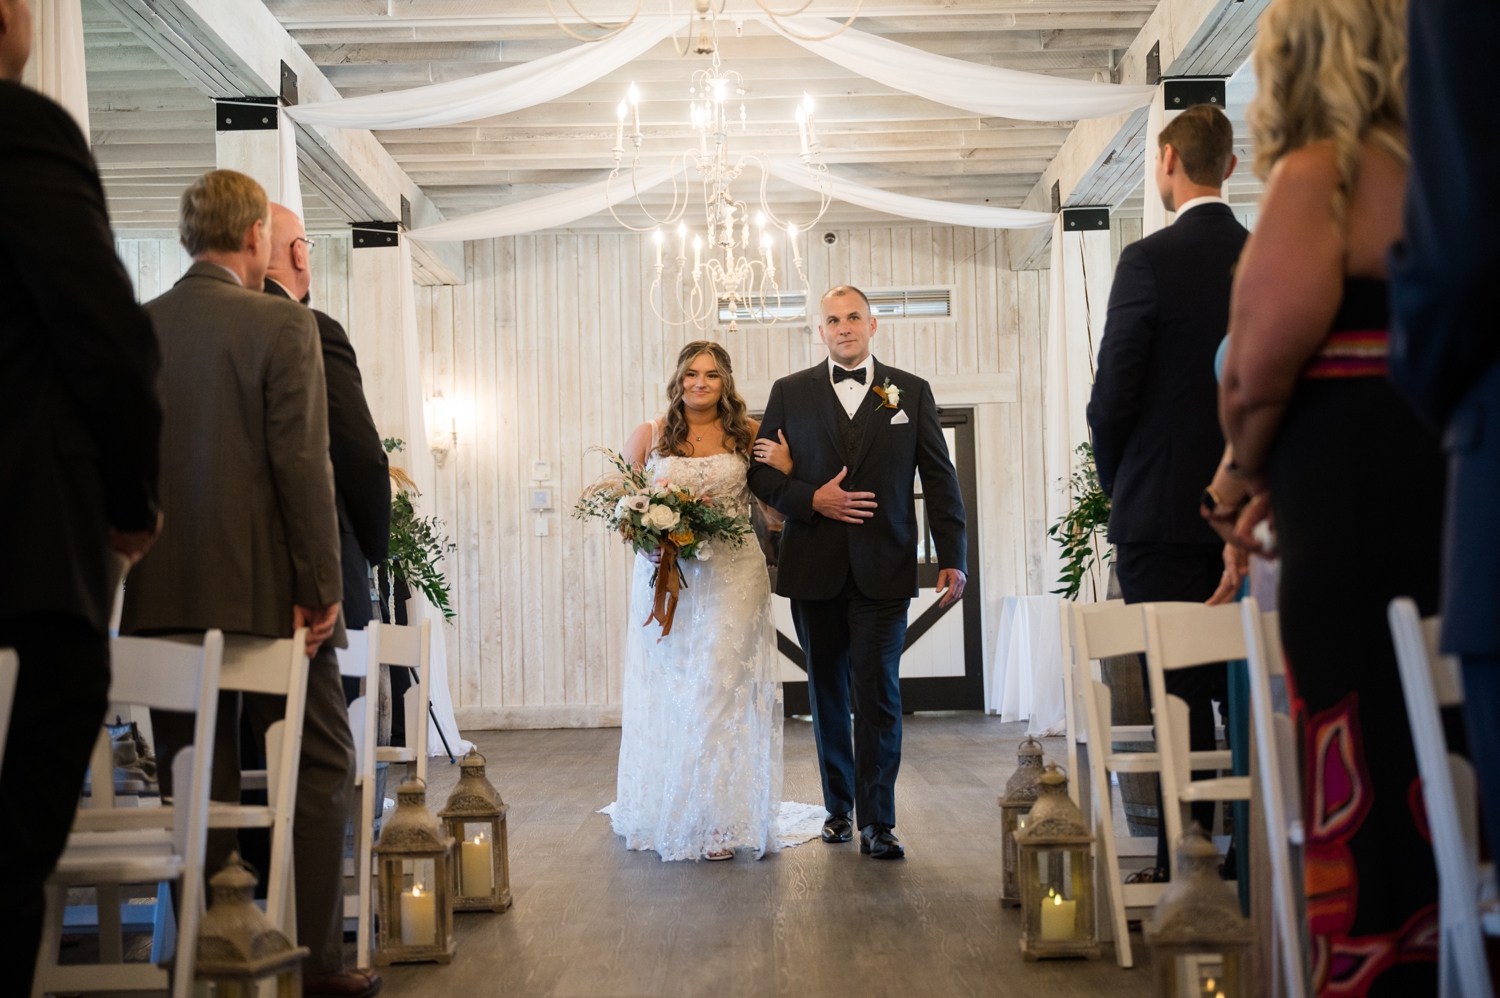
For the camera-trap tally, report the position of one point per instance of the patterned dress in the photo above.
(1357, 486)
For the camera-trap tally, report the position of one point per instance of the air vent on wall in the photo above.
(890, 303)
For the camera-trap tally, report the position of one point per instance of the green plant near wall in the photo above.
(1077, 529)
(418, 544)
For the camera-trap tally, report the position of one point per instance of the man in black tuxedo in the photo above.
(858, 432)
(80, 429)
(1444, 345)
(362, 484)
(1154, 411)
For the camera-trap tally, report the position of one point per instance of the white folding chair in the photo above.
(362, 659)
(1432, 681)
(1098, 631)
(411, 647)
(112, 845)
(1276, 766)
(10, 669)
(1178, 636)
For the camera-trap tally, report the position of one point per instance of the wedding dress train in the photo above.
(700, 750)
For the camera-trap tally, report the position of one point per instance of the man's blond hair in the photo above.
(218, 209)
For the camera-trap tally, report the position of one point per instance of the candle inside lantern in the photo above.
(418, 917)
(1059, 918)
(477, 861)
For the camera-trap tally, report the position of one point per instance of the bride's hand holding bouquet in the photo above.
(663, 521)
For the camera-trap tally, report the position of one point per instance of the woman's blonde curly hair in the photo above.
(734, 419)
(1330, 70)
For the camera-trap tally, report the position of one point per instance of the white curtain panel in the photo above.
(290, 195)
(987, 90)
(56, 67)
(907, 206)
(1155, 217)
(549, 210)
(489, 94)
(438, 693)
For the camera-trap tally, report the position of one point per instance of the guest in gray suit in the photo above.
(251, 543)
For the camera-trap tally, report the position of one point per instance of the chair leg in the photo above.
(1105, 829)
(52, 924)
(111, 935)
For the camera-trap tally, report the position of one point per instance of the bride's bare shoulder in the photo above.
(638, 445)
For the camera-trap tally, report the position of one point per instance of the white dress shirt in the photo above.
(850, 392)
(1195, 202)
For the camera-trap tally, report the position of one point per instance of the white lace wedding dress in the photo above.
(700, 749)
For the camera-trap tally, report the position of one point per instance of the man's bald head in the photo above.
(291, 261)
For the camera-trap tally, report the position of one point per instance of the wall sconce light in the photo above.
(442, 427)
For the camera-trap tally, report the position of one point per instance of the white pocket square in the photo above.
(899, 418)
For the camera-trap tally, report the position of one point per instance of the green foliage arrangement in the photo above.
(1077, 529)
(417, 542)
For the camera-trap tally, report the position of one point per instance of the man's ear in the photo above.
(254, 235)
(1233, 162)
(1169, 159)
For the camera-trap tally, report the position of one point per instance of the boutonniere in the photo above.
(889, 394)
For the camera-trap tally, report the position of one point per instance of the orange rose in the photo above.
(682, 538)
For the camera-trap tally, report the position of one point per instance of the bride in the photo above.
(700, 750)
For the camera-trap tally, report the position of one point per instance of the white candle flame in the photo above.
(633, 95)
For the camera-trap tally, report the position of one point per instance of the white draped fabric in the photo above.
(1155, 217)
(489, 94)
(549, 210)
(1025, 680)
(987, 90)
(291, 181)
(442, 700)
(907, 206)
(56, 67)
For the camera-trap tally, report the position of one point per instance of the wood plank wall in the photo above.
(550, 347)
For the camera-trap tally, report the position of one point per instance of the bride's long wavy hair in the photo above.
(739, 437)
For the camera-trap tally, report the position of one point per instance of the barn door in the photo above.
(943, 662)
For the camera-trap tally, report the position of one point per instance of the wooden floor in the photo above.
(591, 919)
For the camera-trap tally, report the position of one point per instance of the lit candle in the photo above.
(1059, 918)
(656, 238)
(807, 109)
(802, 128)
(620, 127)
(418, 917)
(791, 233)
(681, 241)
(634, 96)
(477, 867)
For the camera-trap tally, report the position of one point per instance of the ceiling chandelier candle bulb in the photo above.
(681, 245)
(791, 234)
(634, 96)
(812, 129)
(802, 131)
(619, 149)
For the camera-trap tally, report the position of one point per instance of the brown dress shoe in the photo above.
(344, 984)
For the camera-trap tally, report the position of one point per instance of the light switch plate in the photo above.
(541, 471)
(542, 528)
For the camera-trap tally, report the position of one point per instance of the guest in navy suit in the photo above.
(1154, 410)
(1444, 345)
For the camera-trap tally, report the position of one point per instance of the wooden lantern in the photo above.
(475, 817)
(239, 947)
(1020, 795)
(1200, 943)
(414, 896)
(1056, 873)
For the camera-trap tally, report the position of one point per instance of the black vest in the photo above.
(854, 429)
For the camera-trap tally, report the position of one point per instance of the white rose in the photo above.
(639, 503)
(893, 395)
(661, 517)
(620, 508)
(704, 551)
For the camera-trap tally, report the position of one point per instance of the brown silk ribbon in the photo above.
(668, 583)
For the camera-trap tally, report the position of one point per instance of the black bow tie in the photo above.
(839, 374)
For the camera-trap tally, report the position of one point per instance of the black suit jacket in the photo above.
(362, 487)
(1445, 348)
(80, 425)
(1155, 405)
(817, 554)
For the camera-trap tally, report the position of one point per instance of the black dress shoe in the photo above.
(838, 828)
(880, 842)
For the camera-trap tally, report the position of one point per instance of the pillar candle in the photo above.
(1059, 918)
(418, 917)
(477, 862)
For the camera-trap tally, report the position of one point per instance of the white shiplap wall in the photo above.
(549, 348)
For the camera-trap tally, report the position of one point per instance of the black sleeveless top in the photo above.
(1356, 346)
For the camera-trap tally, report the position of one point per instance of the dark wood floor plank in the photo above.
(592, 920)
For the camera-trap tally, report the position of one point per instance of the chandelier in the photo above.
(708, 12)
(728, 274)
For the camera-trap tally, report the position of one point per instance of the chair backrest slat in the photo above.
(401, 646)
(156, 672)
(1110, 628)
(1198, 635)
(257, 665)
(1447, 681)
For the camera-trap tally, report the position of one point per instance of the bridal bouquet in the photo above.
(660, 516)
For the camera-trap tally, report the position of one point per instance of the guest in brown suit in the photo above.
(251, 543)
